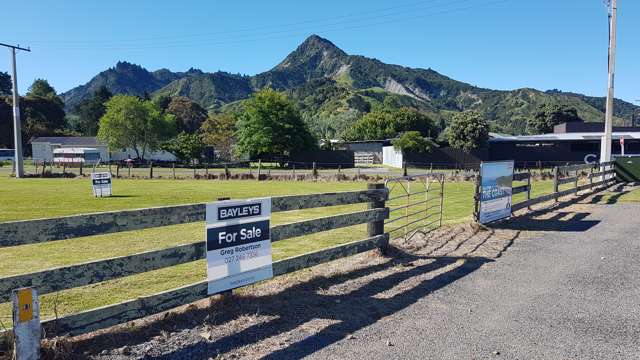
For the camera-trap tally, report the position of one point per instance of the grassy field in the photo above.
(38, 198)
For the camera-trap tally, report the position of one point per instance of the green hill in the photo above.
(327, 82)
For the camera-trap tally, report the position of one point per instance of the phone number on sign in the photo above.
(241, 257)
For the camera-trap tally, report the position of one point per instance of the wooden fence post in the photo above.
(528, 186)
(225, 295)
(151, 170)
(555, 181)
(376, 228)
(26, 324)
(259, 168)
(477, 196)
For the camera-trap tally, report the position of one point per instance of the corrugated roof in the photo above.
(69, 140)
(562, 137)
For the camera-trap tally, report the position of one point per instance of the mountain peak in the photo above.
(315, 41)
(315, 55)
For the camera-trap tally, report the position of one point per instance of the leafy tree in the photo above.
(218, 131)
(5, 84)
(41, 87)
(330, 126)
(162, 101)
(39, 116)
(6, 124)
(131, 122)
(189, 115)
(187, 147)
(376, 125)
(549, 115)
(387, 124)
(271, 124)
(469, 130)
(412, 141)
(89, 111)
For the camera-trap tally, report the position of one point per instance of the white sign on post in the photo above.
(101, 184)
(238, 243)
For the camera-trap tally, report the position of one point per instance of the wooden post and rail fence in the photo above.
(597, 175)
(77, 226)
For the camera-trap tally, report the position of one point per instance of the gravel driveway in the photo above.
(572, 293)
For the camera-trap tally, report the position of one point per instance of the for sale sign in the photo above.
(238, 243)
(101, 184)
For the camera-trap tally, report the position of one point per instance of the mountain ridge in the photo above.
(317, 67)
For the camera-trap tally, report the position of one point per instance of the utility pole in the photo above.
(605, 145)
(17, 127)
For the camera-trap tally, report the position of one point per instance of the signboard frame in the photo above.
(238, 242)
(101, 183)
(495, 190)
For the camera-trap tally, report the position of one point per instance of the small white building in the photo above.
(43, 147)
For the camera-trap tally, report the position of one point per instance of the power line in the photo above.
(253, 29)
(295, 32)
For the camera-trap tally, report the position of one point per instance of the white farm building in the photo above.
(43, 149)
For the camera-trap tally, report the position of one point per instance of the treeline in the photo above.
(41, 112)
(269, 124)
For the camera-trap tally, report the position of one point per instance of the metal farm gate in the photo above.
(416, 204)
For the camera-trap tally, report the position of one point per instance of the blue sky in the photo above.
(502, 44)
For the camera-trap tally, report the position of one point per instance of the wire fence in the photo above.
(263, 169)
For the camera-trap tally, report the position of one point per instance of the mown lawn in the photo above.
(38, 198)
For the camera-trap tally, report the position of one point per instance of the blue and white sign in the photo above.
(238, 243)
(101, 184)
(495, 198)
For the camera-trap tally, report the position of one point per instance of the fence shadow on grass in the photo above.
(300, 304)
(611, 198)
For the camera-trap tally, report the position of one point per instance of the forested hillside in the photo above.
(334, 88)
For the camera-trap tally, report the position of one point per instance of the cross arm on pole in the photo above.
(16, 47)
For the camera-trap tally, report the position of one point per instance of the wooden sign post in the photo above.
(26, 324)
